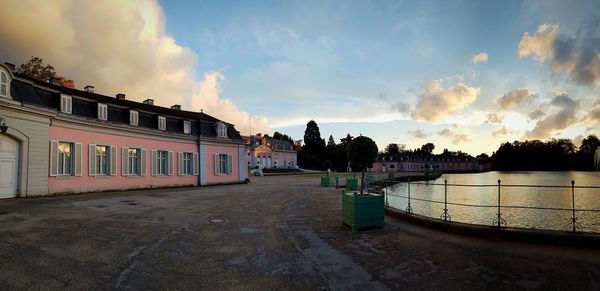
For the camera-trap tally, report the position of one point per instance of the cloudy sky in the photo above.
(465, 75)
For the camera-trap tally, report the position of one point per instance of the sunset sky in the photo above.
(465, 75)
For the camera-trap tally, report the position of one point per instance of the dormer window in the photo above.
(221, 130)
(162, 123)
(3, 84)
(187, 127)
(102, 111)
(133, 117)
(65, 104)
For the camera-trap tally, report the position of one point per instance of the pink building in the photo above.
(90, 142)
(408, 162)
(270, 153)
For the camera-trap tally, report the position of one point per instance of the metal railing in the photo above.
(498, 221)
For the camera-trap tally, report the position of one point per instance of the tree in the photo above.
(347, 139)
(314, 146)
(392, 148)
(35, 68)
(362, 151)
(427, 148)
(589, 144)
(312, 138)
(331, 141)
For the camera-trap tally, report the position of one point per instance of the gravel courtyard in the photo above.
(275, 233)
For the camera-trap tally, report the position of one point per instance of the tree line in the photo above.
(528, 155)
(552, 155)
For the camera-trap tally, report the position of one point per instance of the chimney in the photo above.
(176, 107)
(54, 81)
(89, 88)
(121, 96)
(149, 101)
(10, 66)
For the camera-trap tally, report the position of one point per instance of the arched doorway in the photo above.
(9, 166)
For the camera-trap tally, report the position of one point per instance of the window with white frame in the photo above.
(162, 166)
(133, 161)
(223, 164)
(65, 158)
(65, 104)
(221, 129)
(102, 111)
(186, 164)
(162, 123)
(102, 160)
(133, 117)
(187, 127)
(3, 84)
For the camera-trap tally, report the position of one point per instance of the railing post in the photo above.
(385, 192)
(499, 221)
(574, 219)
(445, 216)
(409, 209)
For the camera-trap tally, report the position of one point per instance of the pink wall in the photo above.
(211, 151)
(284, 156)
(118, 182)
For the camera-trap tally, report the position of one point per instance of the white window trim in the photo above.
(162, 123)
(111, 160)
(182, 170)
(187, 127)
(66, 104)
(218, 170)
(102, 111)
(133, 117)
(7, 83)
(221, 130)
(168, 163)
(76, 159)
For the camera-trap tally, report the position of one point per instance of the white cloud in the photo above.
(494, 117)
(119, 47)
(418, 133)
(536, 114)
(435, 103)
(456, 134)
(578, 55)
(539, 45)
(565, 117)
(482, 57)
(514, 98)
(502, 131)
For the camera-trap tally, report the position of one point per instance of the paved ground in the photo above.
(276, 233)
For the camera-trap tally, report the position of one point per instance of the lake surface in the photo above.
(482, 189)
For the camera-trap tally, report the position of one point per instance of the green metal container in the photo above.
(351, 183)
(326, 181)
(361, 211)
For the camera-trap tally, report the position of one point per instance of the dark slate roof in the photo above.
(281, 145)
(118, 109)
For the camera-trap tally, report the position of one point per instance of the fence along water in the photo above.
(463, 197)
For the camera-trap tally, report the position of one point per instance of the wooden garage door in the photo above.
(9, 153)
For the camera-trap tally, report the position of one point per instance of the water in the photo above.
(547, 197)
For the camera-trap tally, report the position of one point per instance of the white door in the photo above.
(9, 152)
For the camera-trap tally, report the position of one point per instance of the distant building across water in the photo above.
(409, 162)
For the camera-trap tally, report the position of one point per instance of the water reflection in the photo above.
(486, 197)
